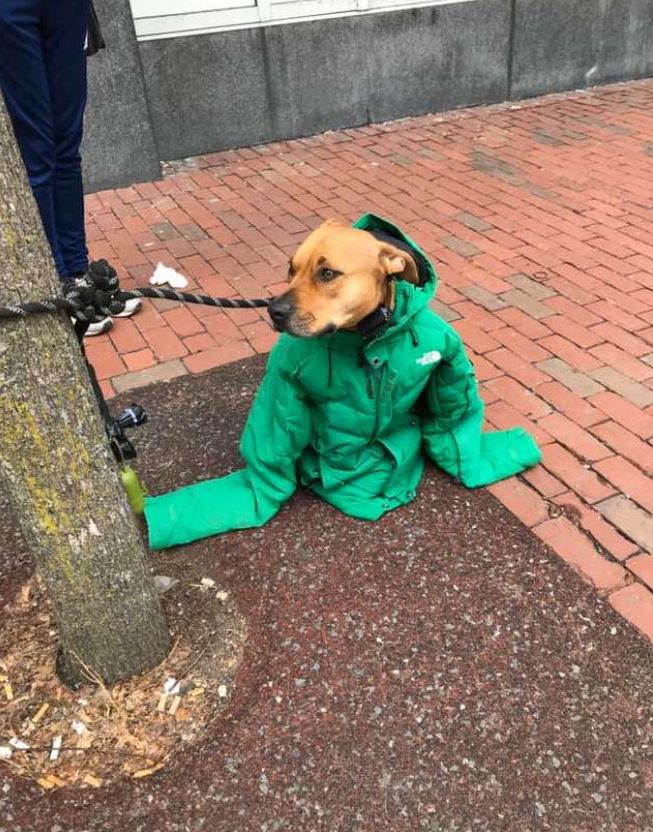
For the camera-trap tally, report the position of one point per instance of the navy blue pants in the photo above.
(43, 80)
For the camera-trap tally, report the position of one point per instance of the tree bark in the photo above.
(57, 467)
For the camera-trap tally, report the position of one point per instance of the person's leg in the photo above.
(65, 25)
(64, 33)
(25, 88)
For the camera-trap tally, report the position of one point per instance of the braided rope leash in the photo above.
(97, 295)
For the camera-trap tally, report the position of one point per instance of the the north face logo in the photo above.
(428, 358)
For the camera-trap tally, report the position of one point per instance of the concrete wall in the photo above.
(177, 97)
(255, 85)
(567, 44)
(119, 146)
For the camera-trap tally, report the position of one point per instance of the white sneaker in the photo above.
(131, 307)
(99, 327)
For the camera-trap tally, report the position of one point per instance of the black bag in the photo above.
(94, 39)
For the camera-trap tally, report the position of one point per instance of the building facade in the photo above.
(184, 77)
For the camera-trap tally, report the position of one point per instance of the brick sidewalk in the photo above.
(540, 219)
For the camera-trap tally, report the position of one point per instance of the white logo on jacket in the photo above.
(428, 358)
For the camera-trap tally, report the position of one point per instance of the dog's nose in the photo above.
(279, 310)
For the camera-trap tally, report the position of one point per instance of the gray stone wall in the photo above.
(167, 99)
(569, 44)
(119, 146)
(255, 85)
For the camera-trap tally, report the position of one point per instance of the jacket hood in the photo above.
(409, 299)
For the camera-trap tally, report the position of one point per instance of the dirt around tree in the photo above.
(96, 735)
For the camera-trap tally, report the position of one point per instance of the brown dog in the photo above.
(338, 276)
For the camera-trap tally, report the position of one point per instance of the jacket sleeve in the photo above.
(277, 431)
(452, 427)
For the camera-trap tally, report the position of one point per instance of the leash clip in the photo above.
(131, 417)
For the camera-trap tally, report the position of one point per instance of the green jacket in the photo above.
(350, 420)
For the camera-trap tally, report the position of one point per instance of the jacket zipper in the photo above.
(373, 392)
(370, 383)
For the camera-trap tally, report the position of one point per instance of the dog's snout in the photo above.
(280, 310)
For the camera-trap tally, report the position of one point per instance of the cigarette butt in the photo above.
(196, 692)
(41, 712)
(175, 705)
(161, 704)
(19, 745)
(56, 746)
(9, 691)
(92, 781)
(145, 772)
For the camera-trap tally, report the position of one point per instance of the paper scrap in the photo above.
(171, 686)
(163, 583)
(164, 274)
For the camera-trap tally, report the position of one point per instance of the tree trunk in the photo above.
(57, 467)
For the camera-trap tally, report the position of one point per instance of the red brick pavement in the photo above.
(540, 218)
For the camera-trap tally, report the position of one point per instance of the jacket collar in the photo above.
(374, 324)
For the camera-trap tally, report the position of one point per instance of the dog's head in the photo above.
(338, 276)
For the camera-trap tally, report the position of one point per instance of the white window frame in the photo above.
(159, 19)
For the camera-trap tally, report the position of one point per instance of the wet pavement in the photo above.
(438, 671)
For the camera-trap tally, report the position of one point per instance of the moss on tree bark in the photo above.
(57, 467)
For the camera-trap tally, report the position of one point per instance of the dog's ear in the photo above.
(397, 263)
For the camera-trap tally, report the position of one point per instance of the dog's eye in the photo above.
(328, 274)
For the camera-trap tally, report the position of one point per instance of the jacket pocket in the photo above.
(337, 469)
(403, 444)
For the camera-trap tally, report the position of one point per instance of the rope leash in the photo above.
(93, 297)
(97, 295)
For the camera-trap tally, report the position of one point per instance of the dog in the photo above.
(338, 277)
(365, 382)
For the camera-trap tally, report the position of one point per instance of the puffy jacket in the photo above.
(351, 419)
